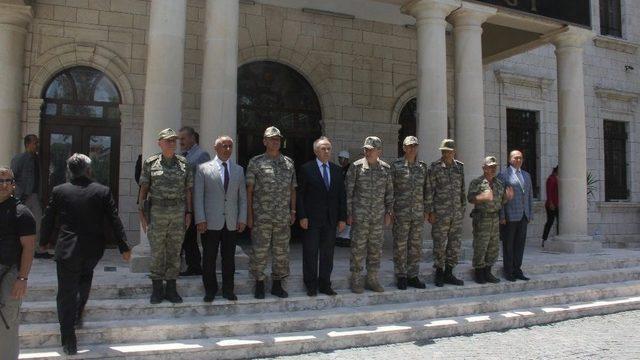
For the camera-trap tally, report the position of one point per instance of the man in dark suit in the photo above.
(85, 211)
(515, 215)
(321, 206)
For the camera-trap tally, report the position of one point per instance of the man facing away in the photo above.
(83, 208)
(220, 205)
(322, 208)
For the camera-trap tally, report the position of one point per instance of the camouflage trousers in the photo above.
(270, 238)
(446, 233)
(366, 243)
(165, 234)
(486, 238)
(407, 245)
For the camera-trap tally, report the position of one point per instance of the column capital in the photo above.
(471, 14)
(569, 36)
(430, 9)
(16, 15)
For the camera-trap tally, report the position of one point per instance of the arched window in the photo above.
(270, 93)
(83, 93)
(408, 123)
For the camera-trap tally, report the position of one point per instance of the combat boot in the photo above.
(416, 283)
(449, 278)
(278, 290)
(489, 276)
(356, 283)
(402, 283)
(157, 294)
(372, 283)
(259, 293)
(439, 278)
(479, 276)
(171, 293)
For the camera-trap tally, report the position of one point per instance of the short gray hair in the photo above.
(78, 165)
(318, 140)
(222, 138)
(6, 170)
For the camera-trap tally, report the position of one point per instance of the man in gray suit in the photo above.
(220, 204)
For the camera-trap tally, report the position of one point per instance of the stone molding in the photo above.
(409, 92)
(512, 78)
(616, 44)
(15, 16)
(569, 37)
(430, 10)
(616, 95)
(471, 14)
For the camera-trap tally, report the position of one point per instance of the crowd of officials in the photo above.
(182, 195)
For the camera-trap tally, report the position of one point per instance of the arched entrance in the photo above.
(408, 123)
(270, 93)
(80, 113)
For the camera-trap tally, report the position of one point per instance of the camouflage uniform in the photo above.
(272, 181)
(369, 196)
(168, 180)
(446, 198)
(409, 185)
(486, 221)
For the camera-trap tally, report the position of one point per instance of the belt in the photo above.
(167, 202)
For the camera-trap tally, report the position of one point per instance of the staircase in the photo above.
(120, 322)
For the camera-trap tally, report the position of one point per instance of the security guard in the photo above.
(409, 185)
(165, 210)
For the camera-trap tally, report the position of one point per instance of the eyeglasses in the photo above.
(6, 181)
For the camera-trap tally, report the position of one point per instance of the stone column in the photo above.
(469, 92)
(14, 20)
(163, 88)
(572, 143)
(219, 72)
(432, 72)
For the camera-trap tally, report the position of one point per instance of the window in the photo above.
(615, 161)
(522, 134)
(610, 18)
(407, 122)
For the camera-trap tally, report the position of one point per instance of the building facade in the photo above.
(104, 76)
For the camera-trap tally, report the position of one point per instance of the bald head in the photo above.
(515, 159)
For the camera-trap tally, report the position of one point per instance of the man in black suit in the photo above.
(322, 206)
(85, 211)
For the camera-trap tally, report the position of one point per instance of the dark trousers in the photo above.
(226, 241)
(513, 235)
(551, 216)
(190, 248)
(74, 283)
(318, 244)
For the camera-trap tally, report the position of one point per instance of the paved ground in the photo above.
(614, 336)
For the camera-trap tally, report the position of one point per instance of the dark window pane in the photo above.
(100, 154)
(82, 111)
(522, 134)
(610, 18)
(51, 109)
(60, 88)
(408, 123)
(85, 80)
(106, 91)
(615, 160)
(60, 150)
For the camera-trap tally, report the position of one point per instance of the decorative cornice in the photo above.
(611, 43)
(16, 15)
(508, 77)
(614, 94)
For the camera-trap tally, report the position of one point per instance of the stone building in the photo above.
(558, 81)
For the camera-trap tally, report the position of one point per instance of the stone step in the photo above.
(127, 286)
(488, 318)
(150, 330)
(133, 308)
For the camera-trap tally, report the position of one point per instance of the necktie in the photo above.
(226, 176)
(325, 176)
(520, 179)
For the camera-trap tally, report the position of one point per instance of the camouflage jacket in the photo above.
(409, 187)
(369, 189)
(168, 179)
(445, 188)
(480, 185)
(273, 181)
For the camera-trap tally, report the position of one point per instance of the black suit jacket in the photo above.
(85, 212)
(315, 202)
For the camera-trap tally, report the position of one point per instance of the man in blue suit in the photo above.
(514, 216)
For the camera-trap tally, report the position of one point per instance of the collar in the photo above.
(192, 149)
(219, 162)
(515, 171)
(320, 163)
(366, 165)
(167, 160)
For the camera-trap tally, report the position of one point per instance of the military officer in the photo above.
(409, 183)
(488, 194)
(165, 200)
(271, 203)
(369, 201)
(445, 202)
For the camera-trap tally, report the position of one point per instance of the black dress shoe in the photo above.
(402, 283)
(259, 293)
(43, 255)
(416, 283)
(70, 345)
(510, 278)
(312, 292)
(208, 298)
(521, 277)
(328, 291)
(229, 296)
(191, 272)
